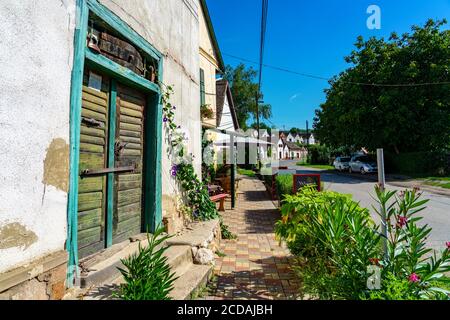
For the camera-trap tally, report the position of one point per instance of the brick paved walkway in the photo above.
(255, 266)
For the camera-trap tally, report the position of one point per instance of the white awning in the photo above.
(224, 140)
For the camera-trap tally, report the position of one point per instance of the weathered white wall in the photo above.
(172, 27)
(36, 61)
(36, 56)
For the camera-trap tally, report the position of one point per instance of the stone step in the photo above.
(179, 258)
(194, 278)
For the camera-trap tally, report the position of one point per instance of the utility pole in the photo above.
(257, 129)
(381, 183)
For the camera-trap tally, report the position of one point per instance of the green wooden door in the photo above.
(92, 195)
(110, 196)
(129, 145)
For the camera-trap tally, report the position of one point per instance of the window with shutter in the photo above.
(202, 87)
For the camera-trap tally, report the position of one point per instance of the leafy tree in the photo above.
(244, 87)
(397, 118)
(297, 131)
(262, 126)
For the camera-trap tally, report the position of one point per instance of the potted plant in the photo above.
(206, 111)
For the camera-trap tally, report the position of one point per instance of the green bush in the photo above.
(407, 254)
(336, 241)
(147, 274)
(418, 163)
(284, 185)
(319, 154)
(333, 238)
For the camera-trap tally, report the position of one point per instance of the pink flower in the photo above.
(401, 222)
(448, 245)
(414, 278)
(374, 261)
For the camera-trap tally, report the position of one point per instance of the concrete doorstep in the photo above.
(102, 277)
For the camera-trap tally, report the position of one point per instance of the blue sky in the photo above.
(309, 37)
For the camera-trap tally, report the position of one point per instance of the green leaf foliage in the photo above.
(397, 118)
(335, 241)
(244, 88)
(147, 274)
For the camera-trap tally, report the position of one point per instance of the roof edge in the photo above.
(213, 35)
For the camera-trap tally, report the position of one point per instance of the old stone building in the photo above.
(84, 153)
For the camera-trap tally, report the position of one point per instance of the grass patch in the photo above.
(220, 254)
(442, 182)
(284, 185)
(246, 172)
(315, 166)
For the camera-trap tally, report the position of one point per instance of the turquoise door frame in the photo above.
(153, 133)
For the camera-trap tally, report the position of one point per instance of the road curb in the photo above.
(396, 183)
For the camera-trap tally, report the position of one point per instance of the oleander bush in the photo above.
(336, 241)
(147, 273)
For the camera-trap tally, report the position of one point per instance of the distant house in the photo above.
(298, 139)
(289, 149)
(280, 148)
(290, 137)
(226, 118)
(294, 151)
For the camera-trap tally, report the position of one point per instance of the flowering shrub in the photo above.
(195, 191)
(333, 238)
(407, 254)
(336, 241)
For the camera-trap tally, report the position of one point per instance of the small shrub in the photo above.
(284, 184)
(147, 274)
(226, 233)
(407, 254)
(336, 240)
(318, 154)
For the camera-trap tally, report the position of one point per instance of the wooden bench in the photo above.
(220, 197)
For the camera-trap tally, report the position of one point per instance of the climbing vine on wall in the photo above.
(196, 192)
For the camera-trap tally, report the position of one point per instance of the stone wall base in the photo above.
(43, 279)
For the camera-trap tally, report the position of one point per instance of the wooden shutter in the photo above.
(202, 87)
(127, 219)
(92, 190)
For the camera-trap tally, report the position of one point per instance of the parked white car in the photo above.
(363, 164)
(341, 163)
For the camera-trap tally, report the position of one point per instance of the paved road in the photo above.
(436, 215)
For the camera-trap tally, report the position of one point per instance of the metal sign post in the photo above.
(233, 172)
(381, 183)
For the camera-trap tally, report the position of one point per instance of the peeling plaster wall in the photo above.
(36, 61)
(36, 54)
(172, 27)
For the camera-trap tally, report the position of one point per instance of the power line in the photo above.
(265, 5)
(328, 79)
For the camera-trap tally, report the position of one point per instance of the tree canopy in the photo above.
(398, 118)
(244, 88)
(297, 131)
